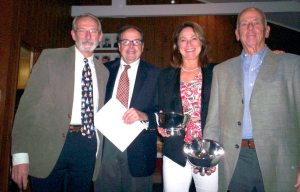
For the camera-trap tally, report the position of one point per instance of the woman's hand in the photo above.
(162, 132)
(205, 171)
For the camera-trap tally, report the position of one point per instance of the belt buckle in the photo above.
(249, 144)
(75, 128)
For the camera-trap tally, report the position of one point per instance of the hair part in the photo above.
(176, 57)
(86, 15)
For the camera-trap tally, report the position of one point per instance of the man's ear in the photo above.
(267, 32)
(100, 37)
(73, 35)
(237, 35)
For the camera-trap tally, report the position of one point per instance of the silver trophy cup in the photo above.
(172, 122)
(203, 153)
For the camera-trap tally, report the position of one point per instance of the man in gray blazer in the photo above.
(49, 140)
(254, 112)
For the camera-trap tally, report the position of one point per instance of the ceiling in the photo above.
(286, 19)
(285, 13)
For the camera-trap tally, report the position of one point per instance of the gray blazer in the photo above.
(275, 111)
(44, 113)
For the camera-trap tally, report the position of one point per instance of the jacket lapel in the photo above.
(266, 70)
(139, 82)
(70, 75)
(113, 71)
(237, 75)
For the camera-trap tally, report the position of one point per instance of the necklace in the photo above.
(189, 70)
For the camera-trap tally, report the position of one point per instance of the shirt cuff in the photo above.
(20, 158)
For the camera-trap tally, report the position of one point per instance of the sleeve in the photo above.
(212, 128)
(31, 107)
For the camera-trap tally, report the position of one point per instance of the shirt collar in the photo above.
(259, 54)
(132, 65)
(80, 57)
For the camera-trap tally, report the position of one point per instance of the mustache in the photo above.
(87, 41)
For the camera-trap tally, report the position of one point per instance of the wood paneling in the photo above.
(47, 24)
(38, 24)
(8, 37)
(158, 33)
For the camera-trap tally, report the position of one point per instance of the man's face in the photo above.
(252, 31)
(86, 35)
(132, 51)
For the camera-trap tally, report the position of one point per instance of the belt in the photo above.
(74, 128)
(248, 143)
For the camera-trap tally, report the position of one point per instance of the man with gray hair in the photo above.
(254, 112)
(54, 129)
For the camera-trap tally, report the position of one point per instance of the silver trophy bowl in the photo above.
(203, 153)
(172, 122)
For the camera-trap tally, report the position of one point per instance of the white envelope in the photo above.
(108, 120)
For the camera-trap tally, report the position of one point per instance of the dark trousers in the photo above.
(247, 175)
(114, 173)
(74, 168)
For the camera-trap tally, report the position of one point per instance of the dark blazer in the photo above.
(170, 100)
(141, 153)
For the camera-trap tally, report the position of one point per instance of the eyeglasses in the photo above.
(84, 31)
(134, 42)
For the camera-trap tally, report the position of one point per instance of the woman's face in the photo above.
(189, 44)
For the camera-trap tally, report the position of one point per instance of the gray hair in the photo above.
(91, 16)
(251, 8)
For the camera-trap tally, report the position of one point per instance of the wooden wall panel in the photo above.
(47, 24)
(8, 56)
(158, 33)
(28, 22)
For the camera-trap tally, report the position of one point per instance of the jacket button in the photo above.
(239, 123)
(237, 146)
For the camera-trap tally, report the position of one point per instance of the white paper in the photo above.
(108, 120)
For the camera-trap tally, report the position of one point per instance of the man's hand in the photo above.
(20, 175)
(132, 115)
(297, 185)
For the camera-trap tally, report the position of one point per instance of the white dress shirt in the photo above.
(132, 72)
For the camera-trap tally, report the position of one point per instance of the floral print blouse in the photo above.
(191, 104)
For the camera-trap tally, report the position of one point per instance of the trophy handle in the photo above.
(156, 118)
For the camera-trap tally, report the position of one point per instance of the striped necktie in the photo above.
(123, 87)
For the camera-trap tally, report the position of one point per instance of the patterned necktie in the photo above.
(123, 87)
(87, 104)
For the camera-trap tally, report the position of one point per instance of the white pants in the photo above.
(178, 179)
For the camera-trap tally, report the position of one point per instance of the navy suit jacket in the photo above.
(169, 98)
(141, 153)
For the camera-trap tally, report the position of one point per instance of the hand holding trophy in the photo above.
(203, 154)
(173, 123)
